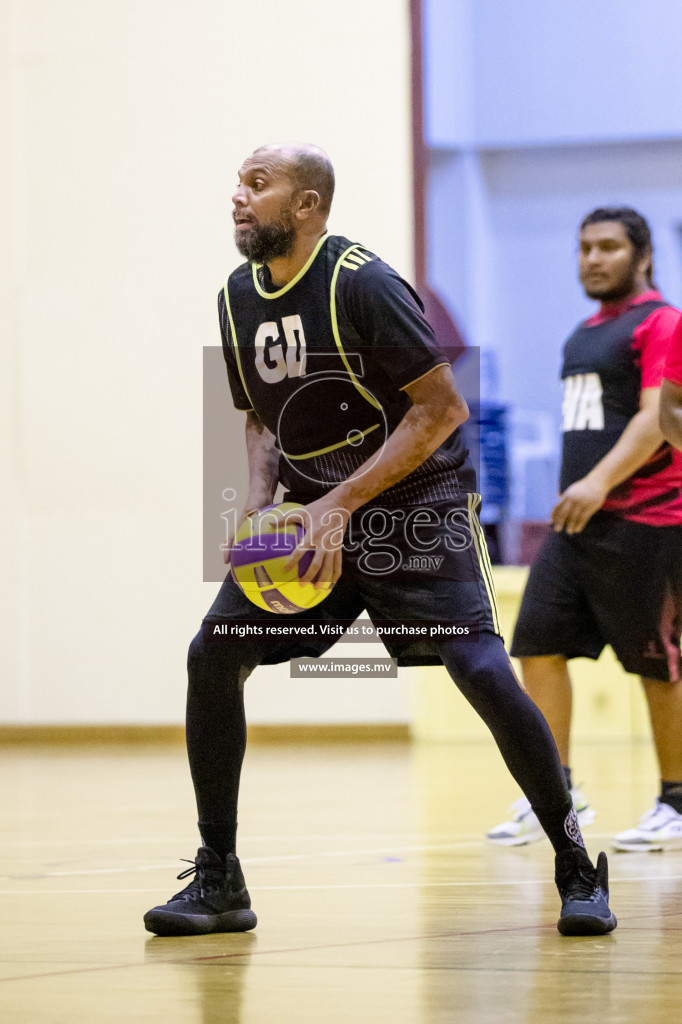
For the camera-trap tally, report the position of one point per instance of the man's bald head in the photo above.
(308, 166)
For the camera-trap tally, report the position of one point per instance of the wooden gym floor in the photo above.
(378, 899)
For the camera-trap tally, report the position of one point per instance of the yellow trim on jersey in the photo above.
(359, 258)
(235, 346)
(422, 375)
(304, 270)
(334, 447)
(335, 328)
(481, 549)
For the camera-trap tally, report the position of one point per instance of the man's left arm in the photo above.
(636, 444)
(437, 409)
(670, 413)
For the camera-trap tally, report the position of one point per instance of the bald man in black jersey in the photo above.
(351, 405)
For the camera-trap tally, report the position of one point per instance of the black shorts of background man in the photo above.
(611, 572)
(303, 300)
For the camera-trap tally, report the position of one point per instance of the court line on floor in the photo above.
(465, 837)
(272, 859)
(217, 958)
(488, 883)
(282, 838)
(204, 960)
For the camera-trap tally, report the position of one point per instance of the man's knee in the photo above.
(542, 662)
(219, 661)
(477, 663)
(196, 652)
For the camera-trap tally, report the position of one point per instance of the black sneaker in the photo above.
(584, 892)
(216, 900)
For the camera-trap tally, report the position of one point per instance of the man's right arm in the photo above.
(671, 390)
(671, 412)
(263, 456)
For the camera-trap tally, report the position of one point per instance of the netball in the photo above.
(261, 548)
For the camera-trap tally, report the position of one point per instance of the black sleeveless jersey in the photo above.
(602, 379)
(323, 362)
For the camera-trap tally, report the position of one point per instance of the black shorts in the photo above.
(437, 601)
(385, 573)
(618, 582)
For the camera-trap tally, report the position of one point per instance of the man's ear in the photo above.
(645, 263)
(308, 203)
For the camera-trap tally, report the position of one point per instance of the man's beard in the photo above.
(625, 287)
(264, 242)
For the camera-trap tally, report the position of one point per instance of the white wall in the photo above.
(126, 123)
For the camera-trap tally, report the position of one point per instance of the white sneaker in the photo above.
(524, 826)
(658, 829)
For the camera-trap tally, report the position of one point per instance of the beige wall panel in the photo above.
(126, 125)
(12, 590)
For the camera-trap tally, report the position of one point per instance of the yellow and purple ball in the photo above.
(261, 548)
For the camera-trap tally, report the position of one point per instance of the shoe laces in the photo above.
(578, 881)
(206, 880)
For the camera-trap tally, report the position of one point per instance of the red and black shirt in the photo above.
(673, 364)
(608, 360)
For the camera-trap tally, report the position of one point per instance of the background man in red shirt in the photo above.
(611, 572)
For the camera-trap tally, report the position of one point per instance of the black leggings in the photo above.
(216, 727)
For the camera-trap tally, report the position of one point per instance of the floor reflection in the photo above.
(208, 972)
